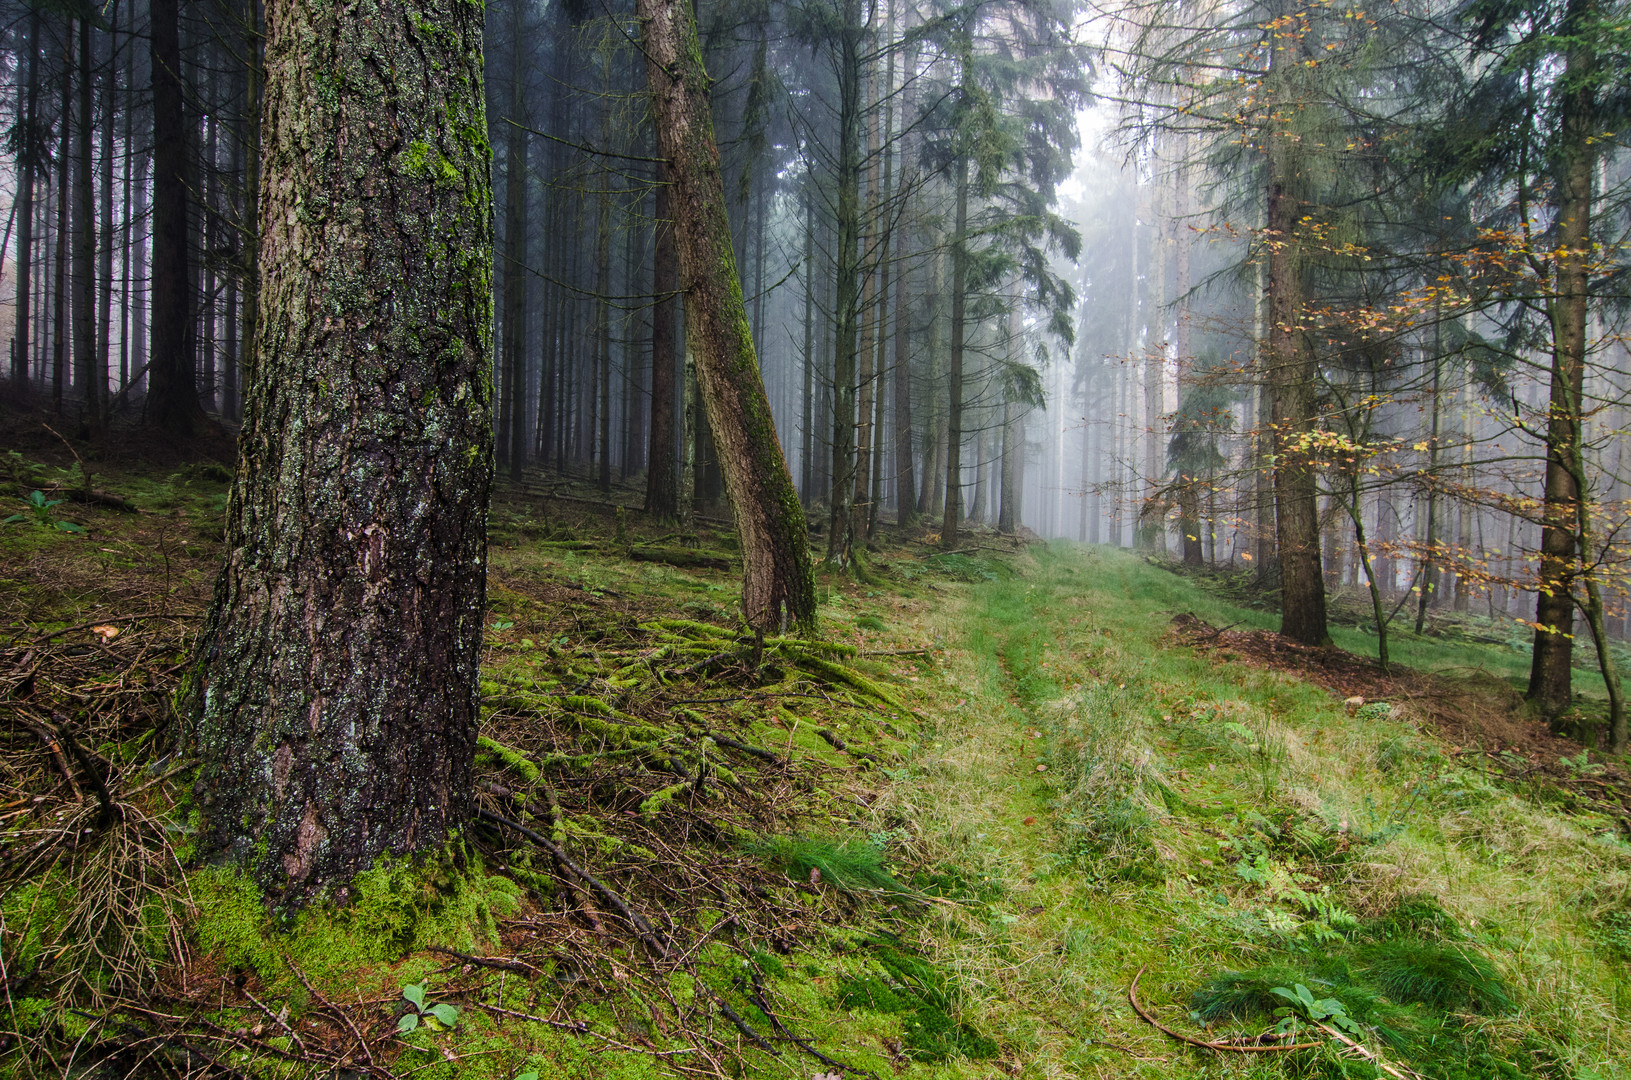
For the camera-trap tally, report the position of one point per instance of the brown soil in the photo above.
(1479, 716)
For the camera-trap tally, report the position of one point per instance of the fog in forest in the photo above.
(1131, 274)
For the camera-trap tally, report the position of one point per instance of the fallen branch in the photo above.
(843, 747)
(756, 751)
(1132, 996)
(1366, 1054)
(498, 963)
(635, 919)
(761, 1001)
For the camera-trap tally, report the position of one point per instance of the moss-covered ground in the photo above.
(942, 845)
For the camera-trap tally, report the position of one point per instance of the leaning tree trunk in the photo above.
(334, 698)
(778, 582)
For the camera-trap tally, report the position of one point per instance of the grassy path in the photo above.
(1123, 804)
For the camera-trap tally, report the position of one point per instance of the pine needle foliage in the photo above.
(852, 865)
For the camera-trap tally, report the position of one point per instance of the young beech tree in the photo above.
(333, 697)
(778, 583)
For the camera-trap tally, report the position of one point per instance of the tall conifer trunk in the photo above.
(172, 404)
(662, 484)
(333, 697)
(25, 206)
(1290, 373)
(951, 511)
(93, 384)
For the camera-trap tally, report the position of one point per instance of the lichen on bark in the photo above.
(333, 700)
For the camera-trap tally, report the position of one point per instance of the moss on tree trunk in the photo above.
(778, 584)
(334, 697)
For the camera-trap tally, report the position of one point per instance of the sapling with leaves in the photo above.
(40, 510)
(434, 1017)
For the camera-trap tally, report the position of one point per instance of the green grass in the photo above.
(1083, 800)
(1214, 821)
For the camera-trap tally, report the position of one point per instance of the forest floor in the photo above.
(1013, 782)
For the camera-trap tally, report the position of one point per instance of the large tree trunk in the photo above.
(334, 697)
(172, 396)
(778, 583)
(1565, 516)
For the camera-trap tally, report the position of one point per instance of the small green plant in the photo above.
(443, 1014)
(1305, 1006)
(1580, 765)
(39, 508)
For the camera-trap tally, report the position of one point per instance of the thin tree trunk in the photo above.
(868, 367)
(952, 511)
(93, 381)
(104, 254)
(662, 491)
(905, 474)
(27, 165)
(807, 403)
(1429, 558)
(59, 312)
(513, 445)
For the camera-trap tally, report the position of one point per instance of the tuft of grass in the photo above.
(1416, 915)
(926, 1001)
(850, 864)
(1441, 976)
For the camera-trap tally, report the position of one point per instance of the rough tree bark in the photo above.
(778, 583)
(847, 313)
(1569, 543)
(333, 696)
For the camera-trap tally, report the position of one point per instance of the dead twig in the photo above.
(498, 963)
(635, 919)
(1132, 996)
